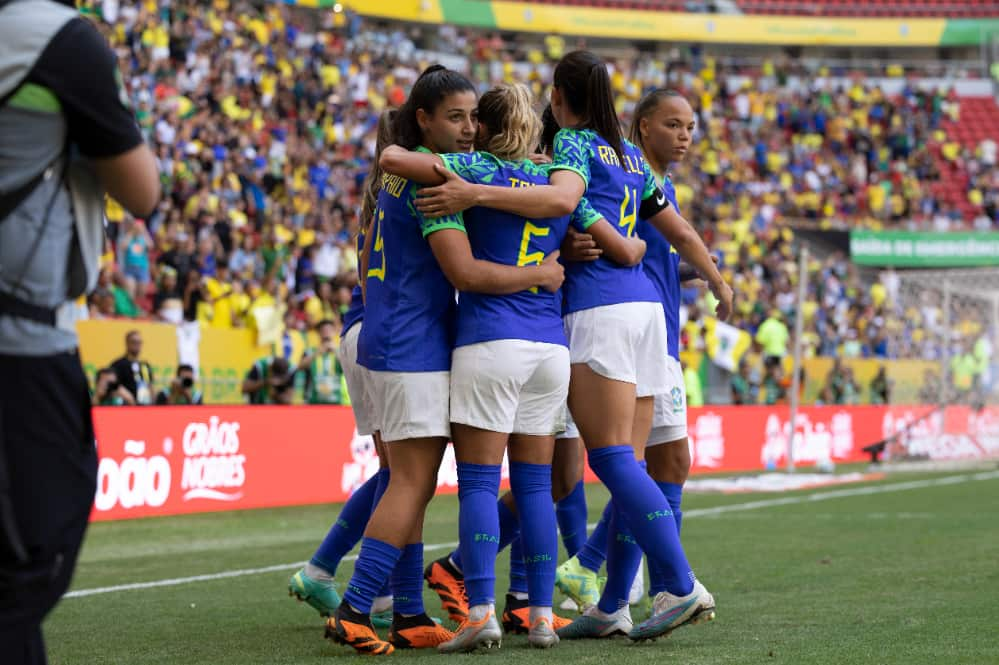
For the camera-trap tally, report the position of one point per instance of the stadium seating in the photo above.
(845, 8)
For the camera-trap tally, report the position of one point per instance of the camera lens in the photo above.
(187, 382)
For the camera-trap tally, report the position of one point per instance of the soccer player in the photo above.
(406, 344)
(314, 583)
(662, 127)
(617, 340)
(509, 374)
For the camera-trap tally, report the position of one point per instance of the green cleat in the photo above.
(579, 583)
(382, 619)
(320, 595)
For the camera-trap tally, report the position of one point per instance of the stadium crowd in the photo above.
(263, 123)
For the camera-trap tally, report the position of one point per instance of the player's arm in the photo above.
(412, 165)
(467, 273)
(362, 260)
(80, 68)
(627, 251)
(557, 199)
(691, 248)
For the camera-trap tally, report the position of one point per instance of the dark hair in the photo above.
(184, 368)
(549, 128)
(280, 366)
(645, 107)
(582, 80)
(105, 370)
(325, 322)
(373, 181)
(435, 83)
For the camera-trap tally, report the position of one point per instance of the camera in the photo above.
(112, 385)
(186, 382)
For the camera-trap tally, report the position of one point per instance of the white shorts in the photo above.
(510, 385)
(358, 382)
(624, 342)
(411, 405)
(669, 419)
(570, 431)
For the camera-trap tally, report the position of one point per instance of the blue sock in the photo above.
(383, 476)
(623, 558)
(571, 515)
(532, 490)
(593, 553)
(374, 565)
(407, 581)
(647, 512)
(673, 493)
(509, 529)
(518, 570)
(478, 529)
(674, 496)
(349, 526)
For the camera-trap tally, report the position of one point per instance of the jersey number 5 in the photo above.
(533, 258)
(378, 249)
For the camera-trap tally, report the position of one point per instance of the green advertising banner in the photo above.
(909, 249)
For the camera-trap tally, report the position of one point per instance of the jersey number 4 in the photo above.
(628, 219)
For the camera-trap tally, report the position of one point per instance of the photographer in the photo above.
(108, 392)
(181, 389)
(270, 381)
(67, 136)
(324, 383)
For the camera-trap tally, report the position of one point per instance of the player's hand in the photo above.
(580, 246)
(723, 292)
(540, 158)
(641, 247)
(552, 273)
(453, 196)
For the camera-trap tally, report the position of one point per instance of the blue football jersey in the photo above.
(615, 189)
(500, 237)
(410, 307)
(662, 265)
(355, 311)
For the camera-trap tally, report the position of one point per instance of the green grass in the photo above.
(899, 577)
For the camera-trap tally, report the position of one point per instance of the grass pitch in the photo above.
(907, 573)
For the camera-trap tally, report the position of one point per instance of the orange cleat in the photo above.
(417, 632)
(517, 617)
(449, 583)
(354, 629)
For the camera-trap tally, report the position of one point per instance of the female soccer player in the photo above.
(617, 339)
(662, 126)
(510, 368)
(406, 344)
(314, 583)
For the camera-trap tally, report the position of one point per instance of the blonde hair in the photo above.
(373, 182)
(513, 126)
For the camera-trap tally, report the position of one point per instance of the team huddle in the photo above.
(520, 296)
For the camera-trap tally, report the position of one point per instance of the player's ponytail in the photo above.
(582, 79)
(434, 84)
(373, 182)
(549, 128)
(646, 106)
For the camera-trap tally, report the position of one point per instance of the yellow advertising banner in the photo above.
(736, 29)
(103, 342)
(907, 377)
(661, 26)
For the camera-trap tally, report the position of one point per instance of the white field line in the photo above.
(697, 512)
